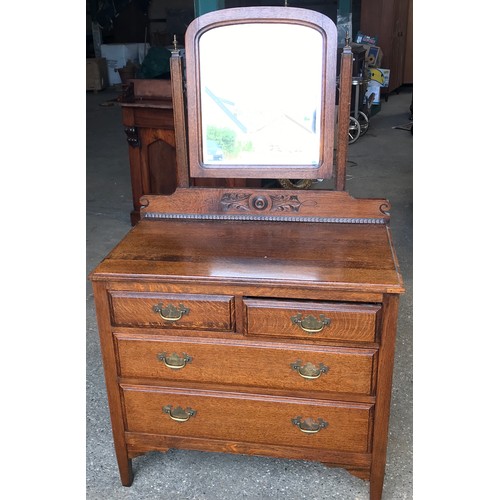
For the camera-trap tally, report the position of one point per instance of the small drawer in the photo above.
(249, 364)
(312, 320)
(177, 311)
(248, 418)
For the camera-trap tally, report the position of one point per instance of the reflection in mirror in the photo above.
(261, 92)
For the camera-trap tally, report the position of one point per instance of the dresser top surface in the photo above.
(349, 256)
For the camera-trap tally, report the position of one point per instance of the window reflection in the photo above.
(261, 88)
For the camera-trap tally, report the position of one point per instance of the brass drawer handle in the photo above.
(170, 312)
(310, 324)
(309, 371)
(309, 425)
(178, 414)
(174, 361)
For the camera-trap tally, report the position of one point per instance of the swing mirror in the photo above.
(261, 93)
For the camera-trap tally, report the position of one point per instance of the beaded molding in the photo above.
(271, 218)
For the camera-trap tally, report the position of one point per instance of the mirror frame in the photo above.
(291, 15)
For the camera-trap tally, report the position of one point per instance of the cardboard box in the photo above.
(380, 75)
(366, 39)
(373, 55)
(387, 76)
(372, 95)
(97, 74)
(379, 78)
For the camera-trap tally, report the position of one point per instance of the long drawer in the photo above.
(169, 310)
(312, 320)
(253, 364)
(248, 418)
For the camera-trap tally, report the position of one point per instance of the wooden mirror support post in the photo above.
(179, 106)
(248, 320)
(344, 115)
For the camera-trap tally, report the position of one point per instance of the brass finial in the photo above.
(175, 43)
(347, 47)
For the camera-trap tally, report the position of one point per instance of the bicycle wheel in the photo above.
(363, 122)
(354, 130)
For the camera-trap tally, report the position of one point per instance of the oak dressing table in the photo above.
(254, 321)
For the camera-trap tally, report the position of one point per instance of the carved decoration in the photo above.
(260, 202)
(287, 203)
(274, 203)
(235, 201)
(384, 208)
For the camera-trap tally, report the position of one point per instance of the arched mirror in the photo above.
(261, 93)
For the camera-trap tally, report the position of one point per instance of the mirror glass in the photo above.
(261, 92)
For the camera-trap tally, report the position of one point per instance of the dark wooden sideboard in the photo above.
(147, 115)
(148, 118)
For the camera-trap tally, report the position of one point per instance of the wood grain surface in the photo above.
(355, 322)
(248, 418)
(348, 257)
(252, 364)
(205, 312)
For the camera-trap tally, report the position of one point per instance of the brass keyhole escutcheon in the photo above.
(310, 324)
(170, 312)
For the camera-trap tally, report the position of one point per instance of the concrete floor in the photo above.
(380, 166)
